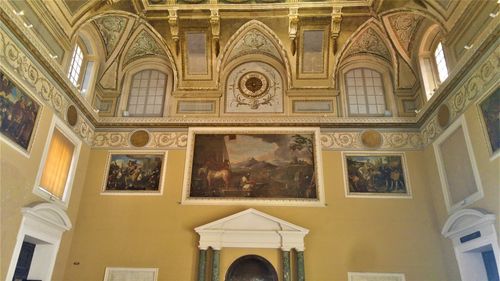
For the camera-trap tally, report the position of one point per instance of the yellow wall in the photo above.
(379, 235)
(489, 172)
(17, 179)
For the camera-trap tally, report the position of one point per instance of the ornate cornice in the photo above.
(35, 48)
(158, 140)
(23, 70)
(352, 140)
(485, 76)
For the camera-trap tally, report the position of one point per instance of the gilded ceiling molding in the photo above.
(405, 26)
(158, 140)
(23, 70)
(143, 45)
(111, 29)
(368, 39)
(485, 76)
(251, 36)
(48, 62)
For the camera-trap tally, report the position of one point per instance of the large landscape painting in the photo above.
(253, 165)
(18, 114)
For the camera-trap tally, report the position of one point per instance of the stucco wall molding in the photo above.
(157, 140)
(481, 81)
(22, 69)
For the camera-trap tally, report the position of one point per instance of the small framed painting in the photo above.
(134, 173)
(376, 175)
(19, 114)
(263, 166)
(489, 108)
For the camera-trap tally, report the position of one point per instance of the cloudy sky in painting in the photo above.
(271, 148)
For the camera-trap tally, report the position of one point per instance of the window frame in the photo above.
(89, 56)
(126, 82)
(73, 138)
(365, 92)
(148, 95)
(436, 65)
(429, 70)
(375, 64)
(82, 69)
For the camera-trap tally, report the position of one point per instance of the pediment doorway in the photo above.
(247, 230)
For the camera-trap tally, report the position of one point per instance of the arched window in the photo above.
(432, 60)
(81, 68)
(365, 92)
(147, 93)
(441, 63)
(76, 66)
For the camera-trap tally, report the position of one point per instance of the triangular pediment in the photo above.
(251, 229)
(251, 219)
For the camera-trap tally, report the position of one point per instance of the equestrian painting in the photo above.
(376, 174)
(253, 164)
(18, 114)
(134, 173)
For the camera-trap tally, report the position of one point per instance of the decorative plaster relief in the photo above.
(111, 29)
(369, 42)
(120, 140)
(143, 45)
(483, 77)
(254, 87)
(405, 26)
(253, 42)
(351, 140)
(17, 64)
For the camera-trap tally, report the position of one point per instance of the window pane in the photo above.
(365, 91)
(441, 63)
(148, 95)
(57, 165)
(75, 66)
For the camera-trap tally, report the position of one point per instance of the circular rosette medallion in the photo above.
(253, 85)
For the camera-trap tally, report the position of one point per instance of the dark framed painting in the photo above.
(258, 166)
(19, 114)
(134, 173)
(489, 108)
(376, 175)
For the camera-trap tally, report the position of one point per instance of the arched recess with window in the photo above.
(366, 87)
(146, 88)
(432, 60)
(84, 62)
(145, 75)
(364, 73)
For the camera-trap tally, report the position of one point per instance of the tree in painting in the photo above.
(253, 166)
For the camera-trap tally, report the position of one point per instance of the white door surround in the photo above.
(251, 229)
(42, 224)
(472, 233)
